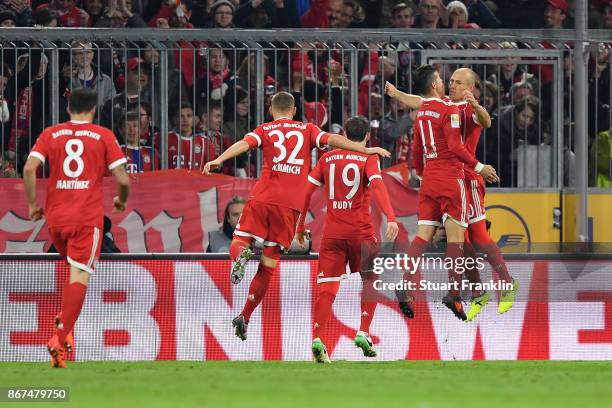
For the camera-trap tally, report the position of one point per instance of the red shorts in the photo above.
(476, 191)
(80, 245)
(268, 224)
(442, 198)
(334, 254)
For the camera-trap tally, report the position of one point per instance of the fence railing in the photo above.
(177, 98)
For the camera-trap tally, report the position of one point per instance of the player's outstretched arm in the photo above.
(412, 101)
(29, 180)
(123, 188)
(342, 142)
(234, 150)
(382, 199)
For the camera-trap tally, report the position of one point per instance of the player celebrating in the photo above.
(442, 197)
(271, 213)
(473, 118)
(79, 154)
(348, 232)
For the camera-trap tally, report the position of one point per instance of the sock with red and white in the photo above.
(454, 251)
(368, 302)
(482, 240)
(257, 289)
(323, 307)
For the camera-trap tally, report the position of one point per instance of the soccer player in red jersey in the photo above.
(348, 235)
(439, 157)
(473, 119)
(79, 154)
(271, 213)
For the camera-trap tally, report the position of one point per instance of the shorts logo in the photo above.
(455, 122)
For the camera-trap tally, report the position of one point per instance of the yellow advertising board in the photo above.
(519, 220)
(599, 213)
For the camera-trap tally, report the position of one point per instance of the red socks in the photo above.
(323, 307)
(482, 240)
(368, 302)
(257, 289)
(415, 250)
(74, 295)
(454, 250)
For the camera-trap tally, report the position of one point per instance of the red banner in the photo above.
(172, 211)
(167, 310)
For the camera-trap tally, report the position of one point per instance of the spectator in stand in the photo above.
(512, 126)
(268, 14)
(139, 158)
(188, 149)
(383, 69)
(95, 9)
(396, 132)
(149, 136)
(237, 124)
(210, 123)
(21, 11)
(402, 15)
(31, 105)
(69, 14)
(323, 14)
(46, 18)
(219, 241)
(119, 14)
(555, 14)
(5, 115)
(222, 12)
(8, 19)
(457, 14)
(432, 14)
(490, 96)
(136, 91)
(519, 91)
(215, 80)
(84, 74)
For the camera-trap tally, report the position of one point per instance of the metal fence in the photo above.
(179, 97)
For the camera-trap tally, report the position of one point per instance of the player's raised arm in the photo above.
(342, 142)
(238, 148)
(29, 180)
(412, 101)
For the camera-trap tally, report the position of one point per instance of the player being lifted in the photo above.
(79, 154)
(443, 197)
(271, 213)
(473, 119)
(348, 235)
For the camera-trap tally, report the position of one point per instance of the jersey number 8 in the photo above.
(74, 155)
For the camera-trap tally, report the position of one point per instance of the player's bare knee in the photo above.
(79, 276)
(455, 232)
(426, 232)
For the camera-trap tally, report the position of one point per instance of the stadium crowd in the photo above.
(212, 87)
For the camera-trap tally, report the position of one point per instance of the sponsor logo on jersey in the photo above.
(455, 121)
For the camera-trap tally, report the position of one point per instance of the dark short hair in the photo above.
(423, 77)
(130, 117)
(283, 101)
(82, 100)
(45, 16)
(356, 128)
(209, 106)
(530, 102)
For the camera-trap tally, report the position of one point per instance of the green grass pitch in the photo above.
(301, 384)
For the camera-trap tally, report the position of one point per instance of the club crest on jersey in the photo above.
(198, 149)
(147, 159)
(455, 121)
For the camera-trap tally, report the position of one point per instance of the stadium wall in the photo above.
(167, 308)
(174, 210)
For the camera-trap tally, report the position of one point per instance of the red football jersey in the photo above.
(287, 146)
(346, 176)
(437, 138)
(140, 159)
(189, 152)
(79, 155)
(470, 133)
